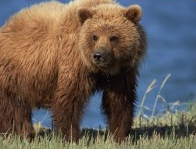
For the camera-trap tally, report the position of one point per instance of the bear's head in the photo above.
(110, 39)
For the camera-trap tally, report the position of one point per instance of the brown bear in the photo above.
(55, 56)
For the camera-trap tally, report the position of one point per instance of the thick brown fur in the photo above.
(47, 60)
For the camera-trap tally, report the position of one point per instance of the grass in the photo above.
(163, 129)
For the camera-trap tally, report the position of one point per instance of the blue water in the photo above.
(171, 30)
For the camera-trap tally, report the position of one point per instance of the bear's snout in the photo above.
(102, 58)
(98, 56)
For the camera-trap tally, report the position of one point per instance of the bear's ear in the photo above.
(84, 14)
(134, 13)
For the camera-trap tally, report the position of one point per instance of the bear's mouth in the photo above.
(103, 65)
(107, 68)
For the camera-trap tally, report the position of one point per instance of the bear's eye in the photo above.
(113, 39)
(95, 38)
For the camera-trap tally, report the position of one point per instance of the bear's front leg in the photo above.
(67, 113)
(118, 101)
(67, 108)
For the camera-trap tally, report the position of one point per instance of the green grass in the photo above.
(156, 142)
(168, 129)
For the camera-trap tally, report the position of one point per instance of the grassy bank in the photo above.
(163, 129)
(154, 142)
(160, 133)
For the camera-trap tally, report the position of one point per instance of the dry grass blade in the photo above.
(150, 88)
(157, 97)
(165, 80)
(163, 100)
(174, 104)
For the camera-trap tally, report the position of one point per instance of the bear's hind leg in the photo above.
(15, 117)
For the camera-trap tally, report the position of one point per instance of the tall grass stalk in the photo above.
(158, 95)
(150, 88)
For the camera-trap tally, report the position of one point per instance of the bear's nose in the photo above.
(99, 56)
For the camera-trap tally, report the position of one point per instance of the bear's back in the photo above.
(48, 19)
(42, 16)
